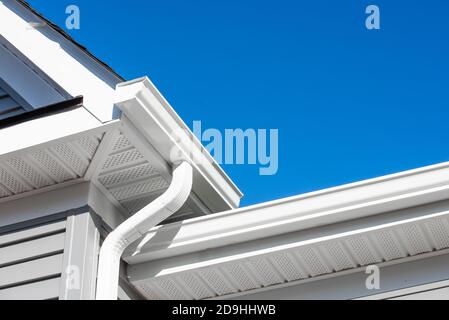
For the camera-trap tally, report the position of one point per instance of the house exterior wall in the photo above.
(49, 246)
(51, 257)
(31, 260)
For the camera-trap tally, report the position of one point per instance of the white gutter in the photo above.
(283, 216)
(289, 259)
(136, 226)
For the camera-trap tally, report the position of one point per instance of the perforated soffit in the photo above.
(48, 166)
(131, 179)
(123, 173)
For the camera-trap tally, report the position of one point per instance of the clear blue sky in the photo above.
(349, 103)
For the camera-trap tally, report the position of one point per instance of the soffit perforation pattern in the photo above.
(299, 262)
(125, 175)
(48, 166)
(131, 179)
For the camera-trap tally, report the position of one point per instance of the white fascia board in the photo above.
(156, 120)
(311, 210)
(62, 126)
(62, 61)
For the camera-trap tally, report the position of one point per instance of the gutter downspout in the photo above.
(136, 226)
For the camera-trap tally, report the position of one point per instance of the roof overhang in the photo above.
(43, 65)
(50, 124)
(125, 158)
(243, 268)
(304, 237)
(144, 107)
(311, 210)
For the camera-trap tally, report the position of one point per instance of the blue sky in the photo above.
(349, 103)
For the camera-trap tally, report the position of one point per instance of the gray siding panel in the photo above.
(7, 103)
(8, 106)
(31, 258)
(32, 249)
(32, 233)
(41, 290)
(50, 258)
(29, 271)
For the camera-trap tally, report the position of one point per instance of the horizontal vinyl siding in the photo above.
(8, 106)
(39, 290)
(31, 262)
(33, 270)
(32, 249)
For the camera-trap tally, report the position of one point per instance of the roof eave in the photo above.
(311, 210)
(49, 125)
(156, 120)
(292, 258)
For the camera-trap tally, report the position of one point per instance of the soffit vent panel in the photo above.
(133, 180)
(48, 166)
(128, 178)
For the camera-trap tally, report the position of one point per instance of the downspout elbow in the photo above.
(137, 225)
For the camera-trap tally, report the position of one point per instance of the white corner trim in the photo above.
(102, 206)
(156, 120)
